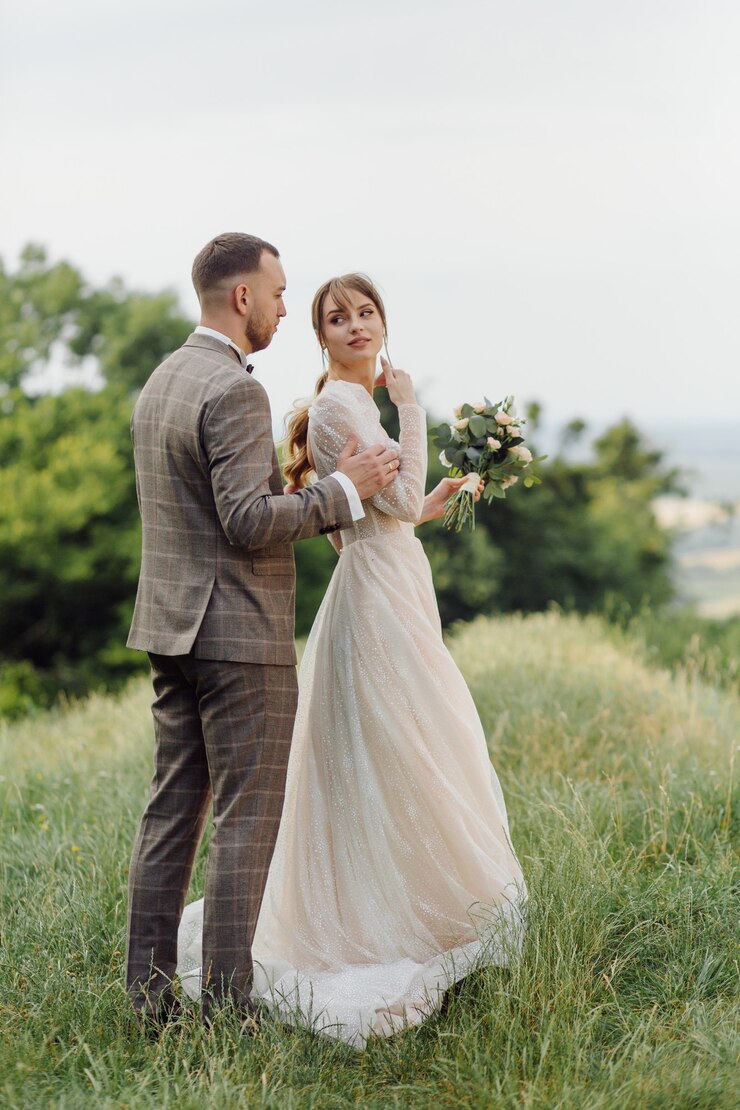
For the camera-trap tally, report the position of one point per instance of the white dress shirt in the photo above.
(355, 505)
(241, 355)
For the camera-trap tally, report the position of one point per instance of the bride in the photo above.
(393, 873)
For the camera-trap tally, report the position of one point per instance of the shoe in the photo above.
(250, 1026)
(248, 1016)
(154, 1016)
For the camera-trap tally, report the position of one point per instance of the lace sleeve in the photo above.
(342, 410)
(404, 498)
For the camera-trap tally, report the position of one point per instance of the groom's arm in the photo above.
(237, 441)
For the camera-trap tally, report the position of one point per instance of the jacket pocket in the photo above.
(273, 564)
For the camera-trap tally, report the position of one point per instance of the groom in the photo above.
(214, 610)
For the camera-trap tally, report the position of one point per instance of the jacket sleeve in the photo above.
(236, 438)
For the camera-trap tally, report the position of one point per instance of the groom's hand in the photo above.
(371, 470)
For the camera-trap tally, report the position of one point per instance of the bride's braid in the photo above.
(297, 464)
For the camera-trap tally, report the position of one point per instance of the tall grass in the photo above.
(619, 780)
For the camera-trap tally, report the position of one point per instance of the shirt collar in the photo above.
(201, 330)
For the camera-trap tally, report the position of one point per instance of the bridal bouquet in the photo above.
(485, 442)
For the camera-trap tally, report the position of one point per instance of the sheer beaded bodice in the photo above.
(346, 408)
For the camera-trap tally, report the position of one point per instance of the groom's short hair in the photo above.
(226, 257)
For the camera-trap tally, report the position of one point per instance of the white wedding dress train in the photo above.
(393, 873)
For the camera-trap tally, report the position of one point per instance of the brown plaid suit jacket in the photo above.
(217, 571)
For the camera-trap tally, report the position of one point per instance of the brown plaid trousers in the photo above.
(214, 609)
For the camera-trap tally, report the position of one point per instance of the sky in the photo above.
(546, 191)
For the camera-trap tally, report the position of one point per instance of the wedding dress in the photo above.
(393, 874)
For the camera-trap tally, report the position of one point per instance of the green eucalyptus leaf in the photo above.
(440, 430)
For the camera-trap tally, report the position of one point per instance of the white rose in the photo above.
(480, 407)
(459, 425)
(514, 432)
(503, 418)
(458, 411)
(444, 460)
(521, 452)
(509, 480)
(494, 444)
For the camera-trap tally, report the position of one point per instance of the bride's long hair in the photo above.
(297, 464)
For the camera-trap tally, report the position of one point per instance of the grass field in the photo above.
(619, 780)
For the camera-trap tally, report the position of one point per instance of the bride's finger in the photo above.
(386, 366)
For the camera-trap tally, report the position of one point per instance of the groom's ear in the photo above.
(242, 298)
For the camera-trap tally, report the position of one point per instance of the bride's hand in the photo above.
(435, 501)
(397, 382)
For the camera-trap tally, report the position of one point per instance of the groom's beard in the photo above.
(259, 331)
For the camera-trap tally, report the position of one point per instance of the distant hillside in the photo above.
(707, 550)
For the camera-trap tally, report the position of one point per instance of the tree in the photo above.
(69, 527)
(587, 538)
(69, 536)
(38, 305)
(49, 309)
(129, 333)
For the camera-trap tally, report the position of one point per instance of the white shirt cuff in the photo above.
(355, 505)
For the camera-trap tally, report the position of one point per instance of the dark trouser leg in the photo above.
(247, 713)
(168, 836)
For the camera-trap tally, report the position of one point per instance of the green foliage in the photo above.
(129, 333)
(618, 782)
(585, 539)
(38, 304)
(698, 646)
(22, 690)
(48, 309)
(69, 526)
(622, 453)
(315, 561)
(69, 536)
(467, 570)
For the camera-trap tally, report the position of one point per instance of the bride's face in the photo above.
(353, 331)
